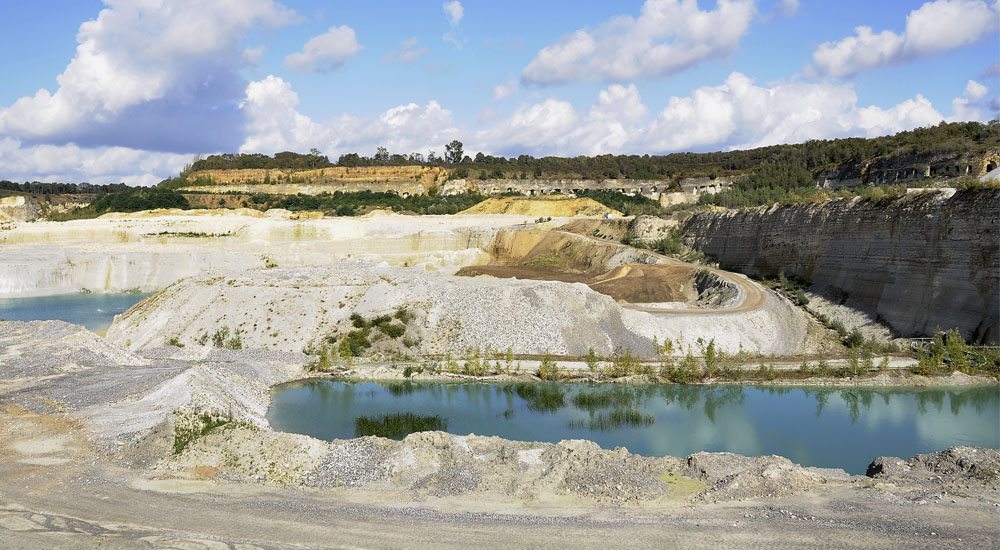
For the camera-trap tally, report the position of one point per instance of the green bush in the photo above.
(549, 369)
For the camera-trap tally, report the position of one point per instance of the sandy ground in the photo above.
(86, 462)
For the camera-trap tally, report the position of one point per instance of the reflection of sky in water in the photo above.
(843, 428)
(93, 311)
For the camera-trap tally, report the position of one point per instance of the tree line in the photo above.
(795, 160)
(39, 188)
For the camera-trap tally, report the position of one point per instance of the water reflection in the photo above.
(815, 426)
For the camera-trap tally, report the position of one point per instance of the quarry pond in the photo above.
(95, 311)
(823, 427)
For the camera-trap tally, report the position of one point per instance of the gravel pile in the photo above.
(737, 477)
(352, 463)
(966, 467)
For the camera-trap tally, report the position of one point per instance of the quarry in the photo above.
(169, 414)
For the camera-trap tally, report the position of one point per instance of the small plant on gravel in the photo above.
(450, 365)
(686, 372)
(710, 359)
(322, 362)
(957, 350)
(236, 342)
(883, 365)
(189, 426)
(593, 361)
(403, 315)
(173, 341)
(623, 363)
(474, 365)
(855, 339)
(220, 336)
(203, 339)
(410, 342)
(823, 368)
(766, 372)
(549, 369)
(839, 328)
(867, 359)
(397, 425)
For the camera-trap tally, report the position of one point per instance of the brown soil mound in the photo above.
(633, 283)
(560, 207)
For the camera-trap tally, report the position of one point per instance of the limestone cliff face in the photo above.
(923, 261)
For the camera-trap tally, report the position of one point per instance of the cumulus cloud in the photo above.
(407, 52)
(326, 52)
(99, 165)
(454, 11)
(274, 124)
(739, 114)
(667, 37)
(141, 65)
(736, 114)
(935, 27)
(970, 106)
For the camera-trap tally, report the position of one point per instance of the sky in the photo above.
(130, 91)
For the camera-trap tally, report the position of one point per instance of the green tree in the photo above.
(453, 152)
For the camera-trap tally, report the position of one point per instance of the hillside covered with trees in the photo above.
(798, 162)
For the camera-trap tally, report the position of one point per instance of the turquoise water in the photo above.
(839, 428)
(93, 311)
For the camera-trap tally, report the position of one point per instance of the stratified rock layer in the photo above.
(922, 262)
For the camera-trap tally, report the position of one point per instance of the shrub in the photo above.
(592, 360)
(623, 363)
(549, 369)
(855, 339)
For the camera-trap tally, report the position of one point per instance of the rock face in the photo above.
(908, 167)
(922, 262)
(18, 209)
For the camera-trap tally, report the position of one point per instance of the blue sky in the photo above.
(130, 90)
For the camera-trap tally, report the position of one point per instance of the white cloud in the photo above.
(326, 52)
(73, 164)
(454, 11)
(276, 125)
(139, 65)
(970, 105)
(735, 114)
(667, 37)
(739, 114)
(936, 27)
(501, 91)
(407, 52)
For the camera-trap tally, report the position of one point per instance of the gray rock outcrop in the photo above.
(922, 262)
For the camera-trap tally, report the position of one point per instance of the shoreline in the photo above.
(897, 377)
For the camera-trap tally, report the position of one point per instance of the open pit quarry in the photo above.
(89, 426)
